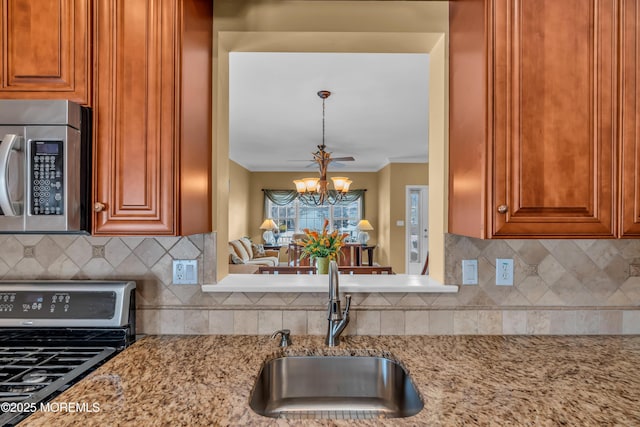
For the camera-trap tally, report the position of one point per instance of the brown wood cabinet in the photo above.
(46, 50)
(630, 119)
(152, 117)
(534, 116)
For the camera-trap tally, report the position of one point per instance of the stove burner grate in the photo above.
(31, 374)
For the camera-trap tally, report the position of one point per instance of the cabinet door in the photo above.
(45, 49)
(134, 119)
(553, 118)
(630, 119)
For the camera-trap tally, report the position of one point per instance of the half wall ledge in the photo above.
(319, 283)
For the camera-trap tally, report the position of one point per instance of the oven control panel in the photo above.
(67, 303)
(57, 305)
(47, 178)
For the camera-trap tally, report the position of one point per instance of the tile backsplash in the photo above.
(560, 287)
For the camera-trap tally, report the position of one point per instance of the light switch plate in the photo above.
(185, 271)
(504, 272)
(469, 271)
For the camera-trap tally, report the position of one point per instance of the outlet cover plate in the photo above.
(469, 271)
(185, 271)
(504, 272)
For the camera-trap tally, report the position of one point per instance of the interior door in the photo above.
(417, 220)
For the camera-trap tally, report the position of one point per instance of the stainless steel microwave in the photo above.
(45, 166)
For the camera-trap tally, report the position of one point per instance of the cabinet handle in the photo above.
(503, 209)
(98, 207)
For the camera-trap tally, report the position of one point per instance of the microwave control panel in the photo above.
(47, 178)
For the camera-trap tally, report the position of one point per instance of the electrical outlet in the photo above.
(185, 271)
(504, 272)
(469, 271)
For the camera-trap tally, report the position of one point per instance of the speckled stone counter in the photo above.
(463, 380)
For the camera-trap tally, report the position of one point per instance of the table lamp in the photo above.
(363, 236)
(268, 225)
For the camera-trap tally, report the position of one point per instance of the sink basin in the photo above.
(334, 387)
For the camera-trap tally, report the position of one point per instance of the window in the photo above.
(295, 216)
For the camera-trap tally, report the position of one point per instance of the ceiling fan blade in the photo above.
(343, 159)
(337, 165)
(309, 163)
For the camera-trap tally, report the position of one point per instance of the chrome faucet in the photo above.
(337, 320)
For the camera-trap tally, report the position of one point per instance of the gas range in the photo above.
(53, 333)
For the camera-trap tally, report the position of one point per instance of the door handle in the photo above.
(9, 142)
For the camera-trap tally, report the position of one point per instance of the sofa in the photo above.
(246, 257)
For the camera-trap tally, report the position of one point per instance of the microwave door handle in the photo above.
(9, 142)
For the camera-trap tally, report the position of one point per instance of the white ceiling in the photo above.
(377, 111)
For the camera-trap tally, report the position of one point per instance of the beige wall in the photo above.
(330, 16)
(239, 201)
(330, 26)
(393, 180)
(402, 174)
(384, 214)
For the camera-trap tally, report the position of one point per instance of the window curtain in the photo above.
(281, 197)
(284, 197)
(351, 196)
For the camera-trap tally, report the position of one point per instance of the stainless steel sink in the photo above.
(334, 387)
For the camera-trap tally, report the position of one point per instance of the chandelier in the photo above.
(316, 190)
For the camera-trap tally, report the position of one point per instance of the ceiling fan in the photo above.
(315, 189)
(323, 158)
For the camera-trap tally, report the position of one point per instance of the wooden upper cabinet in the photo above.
(630, 119)
(46, 50)
(152, 117)
(537, 157)
(554, 111)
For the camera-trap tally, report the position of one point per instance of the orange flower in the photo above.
(322, 244)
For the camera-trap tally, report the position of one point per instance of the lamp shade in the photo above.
(364, 225)
(268, 224)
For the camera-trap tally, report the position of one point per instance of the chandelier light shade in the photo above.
(341, 183)
(316, 190)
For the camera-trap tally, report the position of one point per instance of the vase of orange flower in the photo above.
(323, 247)
(322, 265)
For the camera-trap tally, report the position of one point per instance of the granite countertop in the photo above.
(463, 380)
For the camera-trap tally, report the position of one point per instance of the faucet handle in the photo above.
(285, 338)
(347, 304)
